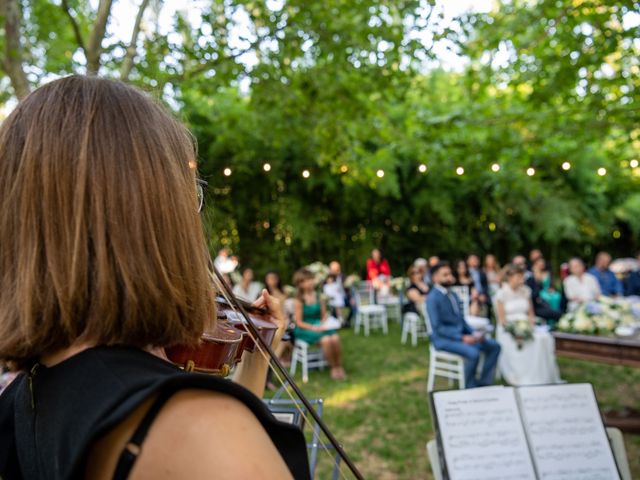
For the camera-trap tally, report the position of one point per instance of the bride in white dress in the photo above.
(535, 362)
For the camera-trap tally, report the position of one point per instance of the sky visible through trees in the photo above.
(327, 128)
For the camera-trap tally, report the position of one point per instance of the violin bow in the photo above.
(274, 358)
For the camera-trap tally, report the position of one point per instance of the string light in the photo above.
(495, 167)
(460, 170)
(344, 169)
(633, 163)
(602, 171)
(266, 167)
(566, 166)
(227, 172)
(380, 173)
(305, 173)
(422, 168)
(531, 171)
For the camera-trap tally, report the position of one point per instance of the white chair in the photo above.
(414, 325)
(392, 303)
(444, 364)
(309, 358)
(369, 314)
(462, 293)
(615, 439)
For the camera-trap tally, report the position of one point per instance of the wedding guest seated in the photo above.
(547, 302)
(542, 277)
(534, 255)
(580, 287)
(523, 361)
(463, 279)
(335, 293)
(451, 333)
(416, 292)
(632, 282)
(432, 262)
(349, 301)
(480, 282)
(247, 289)
(310, 312)
(423, 266)
(609, 284)
(224, 263)
(378, 271)
(493, 273)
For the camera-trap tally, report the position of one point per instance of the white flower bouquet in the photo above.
(520, 329)
(601, 317)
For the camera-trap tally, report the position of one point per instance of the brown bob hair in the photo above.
(100, 237)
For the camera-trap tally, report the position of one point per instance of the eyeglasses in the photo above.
(200, 187)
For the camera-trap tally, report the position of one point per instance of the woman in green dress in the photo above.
(310, 312)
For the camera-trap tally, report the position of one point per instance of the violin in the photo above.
(242, 327)
(221, 348)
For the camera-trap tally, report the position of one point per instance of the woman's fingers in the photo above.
(272, 304)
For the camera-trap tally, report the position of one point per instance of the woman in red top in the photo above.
(378, 270)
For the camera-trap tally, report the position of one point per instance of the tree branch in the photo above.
(127, 63)
(94, 46)
(74, 24)
(10, 11)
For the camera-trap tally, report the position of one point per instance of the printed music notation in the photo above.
(482, 435)
(565, 432)
(550, 432)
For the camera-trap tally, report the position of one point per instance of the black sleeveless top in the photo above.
(50, 418)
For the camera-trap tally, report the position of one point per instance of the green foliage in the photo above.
(345, 89)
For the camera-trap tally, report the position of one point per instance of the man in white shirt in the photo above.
(224, 263)
(247, 289)
(580, 287)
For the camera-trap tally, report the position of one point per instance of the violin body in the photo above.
(221, 349)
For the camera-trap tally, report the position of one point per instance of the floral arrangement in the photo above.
(352, 280)
(398, 285)
(520, 329)
(601, 317)
(320, 271)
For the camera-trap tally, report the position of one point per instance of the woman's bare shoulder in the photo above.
(197, 434)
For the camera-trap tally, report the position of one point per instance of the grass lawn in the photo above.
(380, 414)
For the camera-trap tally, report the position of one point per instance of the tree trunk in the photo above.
(127, 63)
(94, 45)
(12, 62)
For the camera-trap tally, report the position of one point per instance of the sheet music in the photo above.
(482, 435)
(565, 432)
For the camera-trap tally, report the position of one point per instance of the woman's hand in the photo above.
(275, 308)
(252, 370)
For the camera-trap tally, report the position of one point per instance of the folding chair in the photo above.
(290, 411)
(369, 314)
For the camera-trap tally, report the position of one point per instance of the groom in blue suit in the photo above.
(451, 333)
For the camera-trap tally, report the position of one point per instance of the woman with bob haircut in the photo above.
(103, 263)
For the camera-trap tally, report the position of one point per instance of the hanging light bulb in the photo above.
(422, 168)
(566, 166)
(380, 173)
(495, 168)
(266, 167)
(633, 163)
(460, 170)
(305, 173)
(227, 172)
(531, 171)
(602, 171)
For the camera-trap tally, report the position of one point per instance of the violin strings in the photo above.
(322, 446)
